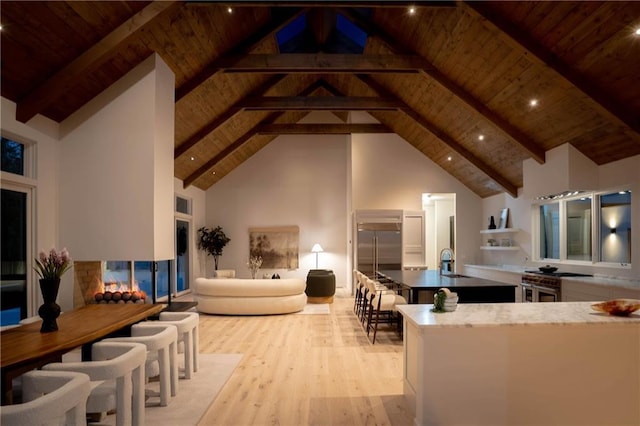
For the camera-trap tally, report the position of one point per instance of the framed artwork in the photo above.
(504, 218)
(278, 246)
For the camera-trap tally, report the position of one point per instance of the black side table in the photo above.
(321, 286)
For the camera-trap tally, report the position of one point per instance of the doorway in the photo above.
(440, 224)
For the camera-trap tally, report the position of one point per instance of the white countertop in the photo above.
(509, 314)
(596, 279)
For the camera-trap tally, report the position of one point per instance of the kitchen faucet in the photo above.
(449, 252)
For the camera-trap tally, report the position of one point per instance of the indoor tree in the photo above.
(212, 241)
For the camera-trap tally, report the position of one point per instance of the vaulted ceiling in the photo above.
(454, 79)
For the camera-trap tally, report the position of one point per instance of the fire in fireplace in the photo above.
(119, 293)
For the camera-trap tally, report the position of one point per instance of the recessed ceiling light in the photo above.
(480, 137)
(193, 158)
(449, 158)
(637, 31)
(230, 10)
(412, 10)
(533, 102)
(0, 27)
(213, 173)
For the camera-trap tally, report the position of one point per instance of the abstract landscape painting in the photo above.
(278, 246)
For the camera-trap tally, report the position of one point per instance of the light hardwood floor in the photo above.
(306, 370)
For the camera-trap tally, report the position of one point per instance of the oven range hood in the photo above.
(566, 172)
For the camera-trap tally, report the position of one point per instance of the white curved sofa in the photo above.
(238, 296)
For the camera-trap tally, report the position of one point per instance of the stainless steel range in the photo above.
(539, 286)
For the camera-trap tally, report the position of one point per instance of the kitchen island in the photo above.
(525, 363)
(469, 289)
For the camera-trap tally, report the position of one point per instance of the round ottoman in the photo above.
(321, 286)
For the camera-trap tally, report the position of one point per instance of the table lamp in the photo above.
(317, 248)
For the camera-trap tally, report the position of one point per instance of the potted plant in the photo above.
(212, 241)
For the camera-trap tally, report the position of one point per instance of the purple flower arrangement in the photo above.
(53, 265)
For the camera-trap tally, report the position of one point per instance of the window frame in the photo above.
(596, 252)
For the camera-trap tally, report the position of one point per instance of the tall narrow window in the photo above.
(163, 278)
(13, 270)
(550, 231)
(182, 255)
(615, 227)
(143, 275)
(578, 223)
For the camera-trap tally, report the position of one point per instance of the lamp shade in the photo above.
(317, 248)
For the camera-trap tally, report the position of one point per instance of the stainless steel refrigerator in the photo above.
(379, 247)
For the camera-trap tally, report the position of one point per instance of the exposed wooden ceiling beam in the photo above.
(444, 137)
(49, 91)
(319, 103)
(339, 3)
(516, 37)
(228, 150)
(513, 133)
(222, 118)
(321, 129)
(329, 88)
(323, 63)
(279, 18)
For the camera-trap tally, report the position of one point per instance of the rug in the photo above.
(315, 309)
(194, 395)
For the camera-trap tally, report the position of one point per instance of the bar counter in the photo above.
(469, 289)
(521, 363)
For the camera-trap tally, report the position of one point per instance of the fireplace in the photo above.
(90, 286)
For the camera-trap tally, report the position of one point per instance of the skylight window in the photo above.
(350, 30)
(291, 30)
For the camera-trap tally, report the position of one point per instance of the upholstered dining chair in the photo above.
(117, 375)
(188, 337)
(161, 340)
(49, 398)
(382, 304)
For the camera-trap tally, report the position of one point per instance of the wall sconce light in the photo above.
(317, 248)
(613, 230)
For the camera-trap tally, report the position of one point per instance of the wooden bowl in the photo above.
(617, 307)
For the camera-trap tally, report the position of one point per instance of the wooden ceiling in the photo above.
(439, 77)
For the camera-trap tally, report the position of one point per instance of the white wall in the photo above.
(389, 173)
(295, 180)
(116, 180)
